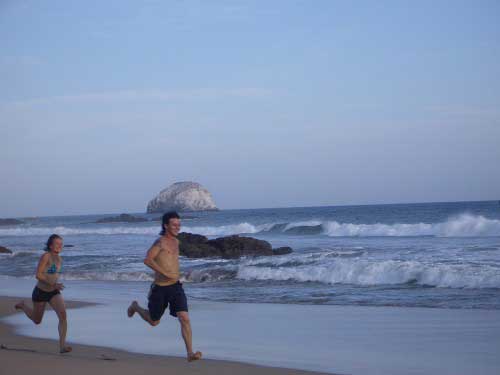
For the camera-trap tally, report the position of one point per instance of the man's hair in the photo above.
(166, 219)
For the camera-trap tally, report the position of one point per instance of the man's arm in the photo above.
(151, 263)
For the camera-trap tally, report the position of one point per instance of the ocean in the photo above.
(437, 255)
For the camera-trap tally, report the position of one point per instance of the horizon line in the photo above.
(259, 208)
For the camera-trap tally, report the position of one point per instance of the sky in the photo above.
(265, 103)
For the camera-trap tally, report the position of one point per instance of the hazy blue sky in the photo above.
(266, 103)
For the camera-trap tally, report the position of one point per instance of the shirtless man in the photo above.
(166, 290)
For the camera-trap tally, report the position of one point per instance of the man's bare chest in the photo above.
(168, 253)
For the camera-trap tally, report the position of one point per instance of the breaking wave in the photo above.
(326, 267)
(350, 266)
(462, 226)
(62, 230)
(465, 225)
(370, 273)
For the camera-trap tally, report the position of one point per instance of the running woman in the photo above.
(48, 290)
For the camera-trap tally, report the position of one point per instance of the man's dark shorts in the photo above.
(40, 295)
(161, 297)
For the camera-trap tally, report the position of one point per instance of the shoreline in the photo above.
(249, 338)
(28, 354)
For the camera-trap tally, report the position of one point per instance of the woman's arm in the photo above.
(40, 270)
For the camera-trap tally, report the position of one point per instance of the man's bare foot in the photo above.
(19, 305)
(131, 309)
(194, 356)
(65, 349)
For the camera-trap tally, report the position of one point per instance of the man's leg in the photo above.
(187, 335)
(144, 314)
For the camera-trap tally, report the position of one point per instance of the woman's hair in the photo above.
(166, 218)
(50, 240)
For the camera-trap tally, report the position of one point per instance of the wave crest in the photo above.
(390, 272)
(63, 231)
(461, 226)
(465, 225)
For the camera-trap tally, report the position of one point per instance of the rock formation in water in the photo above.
(182, 196)
(10, 222)
(4, 250)
(230, 247)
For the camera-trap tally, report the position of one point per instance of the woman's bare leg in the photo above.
(35, 313)
(57, 303)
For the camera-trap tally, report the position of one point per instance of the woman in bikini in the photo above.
(48, 289)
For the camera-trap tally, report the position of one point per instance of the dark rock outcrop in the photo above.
(10, 222)
(236, 246)
(123, 218)
(191, 238)
(230, 247)
(196, 246)
(4, 250)
(282, 250)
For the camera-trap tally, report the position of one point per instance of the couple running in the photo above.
(166, 290)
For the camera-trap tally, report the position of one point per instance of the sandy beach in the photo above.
(244, 338)
(272, 187)
(32, 355)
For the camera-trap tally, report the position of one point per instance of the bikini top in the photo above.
(53, 269)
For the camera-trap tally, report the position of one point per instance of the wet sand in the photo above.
(27, 355)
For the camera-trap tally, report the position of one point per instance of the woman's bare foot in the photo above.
(194, 356)
(65, 349)
(131, 309)
(19, 305)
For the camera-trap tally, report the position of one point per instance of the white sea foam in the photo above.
(224, 230)
(113, 230)
(62, 230)
(364, 272)
(199, 275)
(216, 273)
(108, 276)
(465, 225)
(308, 223)
(328, 267)
(461, 226)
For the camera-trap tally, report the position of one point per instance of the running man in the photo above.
(166, 290)
(48, 290)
